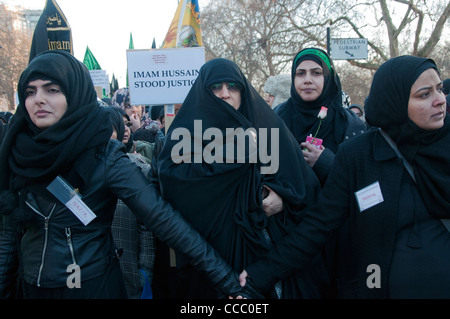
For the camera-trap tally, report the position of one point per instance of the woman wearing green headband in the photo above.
(315, 84)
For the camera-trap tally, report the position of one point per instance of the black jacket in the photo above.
(56, 239)
(371, 233)
(352, 127)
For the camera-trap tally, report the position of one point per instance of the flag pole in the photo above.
(180, 22)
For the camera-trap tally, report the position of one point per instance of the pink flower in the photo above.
(322, 113)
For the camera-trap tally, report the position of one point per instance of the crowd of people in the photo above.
(301, 195)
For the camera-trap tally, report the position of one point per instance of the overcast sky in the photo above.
(105, 26)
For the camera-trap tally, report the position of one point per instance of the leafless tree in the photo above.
(14, 51)
(262, 36)
(257, 35)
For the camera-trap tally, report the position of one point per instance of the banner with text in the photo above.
(163, 76)
(100, 79)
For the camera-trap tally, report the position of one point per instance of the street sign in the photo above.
(348, 49)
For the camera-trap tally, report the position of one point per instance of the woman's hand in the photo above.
(311, 153)
(250, 289)
(272, 204)
(135, 122)
(243, 278)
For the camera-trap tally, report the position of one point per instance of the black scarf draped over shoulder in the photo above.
(301, 116)
(32, 156)
(223, 200)
(428, 151)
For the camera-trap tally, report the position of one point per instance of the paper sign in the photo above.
(81, 210)
(369, 196)
(163, 76)
(65, 193)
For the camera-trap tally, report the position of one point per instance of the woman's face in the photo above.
(133, 109)
(126, 136)
(269, 99)
(45, 103)
(229, 92)
(309, 80)
(426, 106)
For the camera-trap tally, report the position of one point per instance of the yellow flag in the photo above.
(185, 31)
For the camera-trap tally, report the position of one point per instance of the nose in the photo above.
(441, 100)
(308, 77)
(224, 92)
(39, 97)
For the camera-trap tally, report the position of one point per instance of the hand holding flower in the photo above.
(321, 116)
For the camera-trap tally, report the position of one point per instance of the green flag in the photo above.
(130, 47)
(113, 86)
(90, 61)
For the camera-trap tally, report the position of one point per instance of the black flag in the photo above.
(52, 31)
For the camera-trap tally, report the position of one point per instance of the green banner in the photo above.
(90, 61)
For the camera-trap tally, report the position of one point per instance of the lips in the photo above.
(42, 113)
(440, 114)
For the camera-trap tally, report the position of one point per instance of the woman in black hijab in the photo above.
(316, 84)
(61, 175)
(392, 185)
(220, 192)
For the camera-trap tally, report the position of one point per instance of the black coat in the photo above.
(371, 233)
(115, 176)
(222, 198)
(352, 126)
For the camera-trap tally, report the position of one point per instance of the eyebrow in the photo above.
(301, 69)
(440, 84)
(49, 83)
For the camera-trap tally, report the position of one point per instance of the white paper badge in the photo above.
(369, 196)
(81, 210)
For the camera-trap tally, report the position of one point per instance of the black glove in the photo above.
(250, 291)
(230, 286)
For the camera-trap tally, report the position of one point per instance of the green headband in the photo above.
(315, 52)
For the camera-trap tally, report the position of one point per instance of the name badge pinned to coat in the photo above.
(369, 196)
(64, 192)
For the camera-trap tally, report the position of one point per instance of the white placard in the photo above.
(100, 78)
(163, 76)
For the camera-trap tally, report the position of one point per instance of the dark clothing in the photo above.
(426, 150)
(374, 234)
(115, 176)
(135, 242)
(421, 246)
(300, 116)
(3, 129)
(351, 127)
(222, 197)
(104, 286)
(38, 227)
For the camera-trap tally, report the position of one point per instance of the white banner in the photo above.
(163, 76)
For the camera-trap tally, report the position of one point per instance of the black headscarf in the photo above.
(301, 116)
(427, 150)
(117, 115)
(29, 155)
(223, 200)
